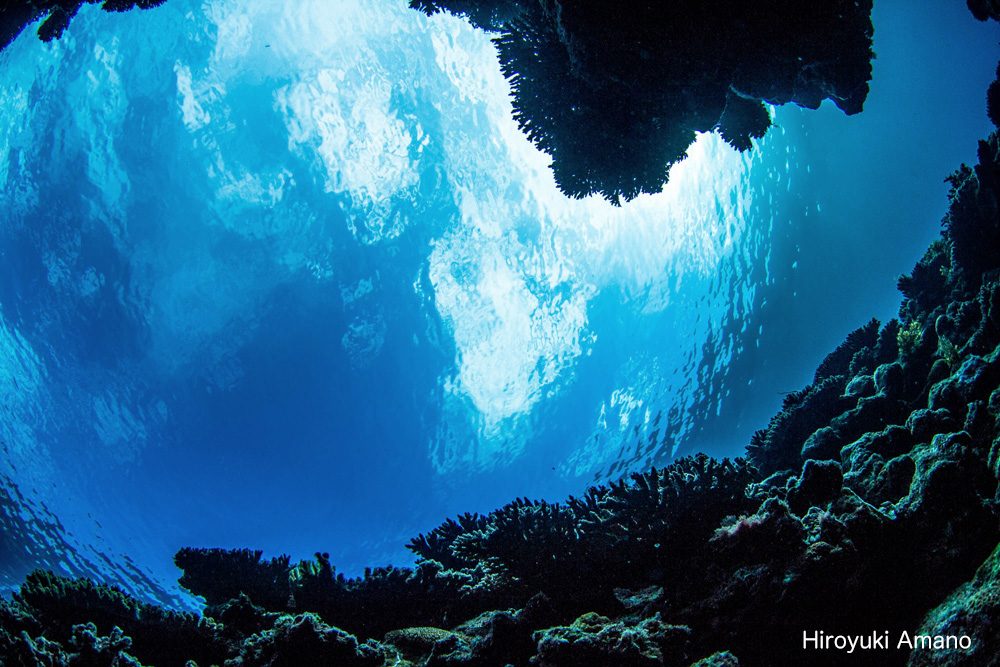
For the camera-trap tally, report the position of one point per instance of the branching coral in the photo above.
(436, 545)
(993, 100)
(219, 575)
(631, 531)
(779, 446)
(972, 224)
(743, 120)
(896, 485)
(839, 361)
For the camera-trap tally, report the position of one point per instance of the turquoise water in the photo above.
(287, 276)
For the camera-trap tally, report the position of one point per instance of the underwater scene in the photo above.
(454, 333)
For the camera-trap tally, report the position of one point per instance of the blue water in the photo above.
(286, 276)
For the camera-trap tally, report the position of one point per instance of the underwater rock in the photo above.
(500, 638)
(889, 379)
(925, 423)
(305, 640)
(872, 414)
(815, 422)
(779, 446)
(772, 574)
(862, 386)
(595, 641)
(867, 468)
(973, 611)
(954, 393)
(721, 659)
(823, 445)
(947, 524)
(418, 644)
(818, 485)
(615, 93)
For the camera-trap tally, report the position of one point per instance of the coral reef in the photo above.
(615, 93)
(595, 641)
(219, 575)
(869, 507)
(51, 612)
(985, 9)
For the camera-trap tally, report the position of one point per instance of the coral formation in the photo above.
(615, 93)
(985, 9)
(49, 611)
(57, 13)
(220, 575)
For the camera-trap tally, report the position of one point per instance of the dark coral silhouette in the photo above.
(616, 92)
(16, 14)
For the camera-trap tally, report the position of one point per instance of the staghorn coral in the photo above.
(925, 290)
(839, 362)
(527, 537)
(437, 544)
(620, 535)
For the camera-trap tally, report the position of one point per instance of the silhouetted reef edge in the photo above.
(615, 93)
